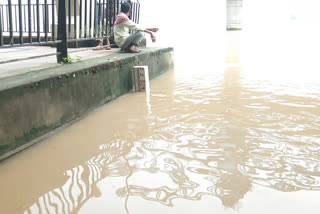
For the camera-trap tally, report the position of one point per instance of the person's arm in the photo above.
(133, 26)
(153, 29)
(153, 38)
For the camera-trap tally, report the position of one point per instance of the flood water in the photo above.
(223, 140)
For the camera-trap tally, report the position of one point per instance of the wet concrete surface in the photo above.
(202, 141)
(20, 67)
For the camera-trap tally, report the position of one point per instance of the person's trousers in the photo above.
(133, 39)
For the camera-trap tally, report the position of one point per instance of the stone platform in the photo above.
(36, 101)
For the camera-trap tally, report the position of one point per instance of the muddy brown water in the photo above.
(222, 141)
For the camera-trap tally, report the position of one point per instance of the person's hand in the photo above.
(153, 38)
(154, 30)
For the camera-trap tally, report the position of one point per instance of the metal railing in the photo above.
(44, 22)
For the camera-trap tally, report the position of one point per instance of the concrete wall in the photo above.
(36, 103)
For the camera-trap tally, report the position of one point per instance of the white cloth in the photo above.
(121, 31)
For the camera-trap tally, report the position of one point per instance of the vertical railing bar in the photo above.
(75, 18)
(104, 25)
(62, 48)
(118, 7)
(34, 18)
(85, 18)
(130, 17)
(10, 22)
(90, 19)
(17, 18)
(113, 15)
(69, 18)
(107, 15)
(46, 18)
(16, 12)
(133, 12)
(5, 24)
(53, 34)
(49, 17)
(43, 18)
(80, 21)
(1, 18)
(24, 18)
(7, 20)
(95, 20)
(20, 22)
(38, 22)
(99, 19)
(29, 22)
(138, 13)
(114, 12)
(1, 13)
(13, 20)
(110, 11)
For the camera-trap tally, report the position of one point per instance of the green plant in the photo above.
(79, 58)
(67, 60)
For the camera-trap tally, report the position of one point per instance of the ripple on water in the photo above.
(215, 137)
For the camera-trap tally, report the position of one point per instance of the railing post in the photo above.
(75, 18)
(10, 22)
(20, 22)
(1, 21)
(29, 22)
(38, 21)
(46, 20)
(53, 34)
(62, 47)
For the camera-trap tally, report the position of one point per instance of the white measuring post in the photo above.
(141, 78)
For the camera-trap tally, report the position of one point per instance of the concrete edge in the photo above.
(32, 77)
(61, 127)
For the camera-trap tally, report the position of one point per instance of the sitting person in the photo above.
(122, 26)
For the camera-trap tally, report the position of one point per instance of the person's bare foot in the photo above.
(132, 50)
(99, 46)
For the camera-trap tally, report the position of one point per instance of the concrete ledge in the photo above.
(34, 104)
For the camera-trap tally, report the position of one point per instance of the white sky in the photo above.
(192, 27)
(276, 32)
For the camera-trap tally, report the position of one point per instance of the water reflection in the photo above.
(216, 136)
(81, 182)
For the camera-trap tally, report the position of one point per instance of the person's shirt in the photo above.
(121, 29)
